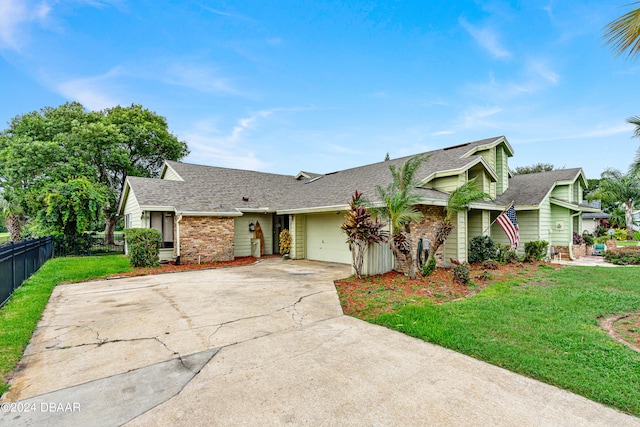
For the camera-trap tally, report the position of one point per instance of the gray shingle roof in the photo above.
(215, 189)
(531, 189)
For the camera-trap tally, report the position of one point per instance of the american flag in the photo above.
(509, 224)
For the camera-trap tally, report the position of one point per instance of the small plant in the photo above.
(536, 250)
(588, 238)
(143, 246)
(636, 235)
(461, 273)
(428, 267)
(602, 239)
(620, 234)
(506, 255)
(490, 265)
(481, 248)
(629, 255)
(577, 239)
(285, 242)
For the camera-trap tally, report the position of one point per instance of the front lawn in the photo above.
(20, 315)
(545, 327)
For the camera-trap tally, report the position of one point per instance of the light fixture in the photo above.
(252, 226)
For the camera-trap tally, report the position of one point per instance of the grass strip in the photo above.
(546, 329)
(20, 315)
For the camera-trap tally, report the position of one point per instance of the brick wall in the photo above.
(206, 238)
(579, 250)
(424, 228)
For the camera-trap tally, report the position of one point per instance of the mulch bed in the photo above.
(172, 268)
(368, 297)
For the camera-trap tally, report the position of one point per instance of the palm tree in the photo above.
(624, 33)
(458, 201)
(397, 207)
(15, 218)
(635, 166)
(617, 188)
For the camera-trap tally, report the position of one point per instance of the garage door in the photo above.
(325, 240)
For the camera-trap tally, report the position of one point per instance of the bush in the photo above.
(461, 273)
(602, 239)
(620, 234)
(490, 265)
(629, 255)
(601, 230)
(588, 238)
(577, 239)
(482, 248)
(506, 255)
(535, 251)
(143, 246)
(636, 235)
(428, 268)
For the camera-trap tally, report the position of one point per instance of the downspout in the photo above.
(571, 257)
(178, 219)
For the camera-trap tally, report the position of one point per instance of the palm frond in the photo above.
(623, 33)
(461, 197)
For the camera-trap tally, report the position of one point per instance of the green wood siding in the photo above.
(171, 175)
(502, 170)
(446, 184)
(528, 222)
(562, 192)
(561, 226)
(132, 208)
(298, 230)
(242, 236)
(545, 220)
(489, 155)
(455, 246)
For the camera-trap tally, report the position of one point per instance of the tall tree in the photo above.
(623, 33)
(68, 142)
(538, 167)
(458, 201)
(398, 207)
(635, 166)
(620, 189)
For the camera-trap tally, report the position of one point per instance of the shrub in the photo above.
(461, 273)
(429, 267)
(506, 255)
(620, 234)
(628, 255)
(536, 250)
(490, 265)
(143, 246)
(636, 235)
(602, 239)
(577, 239)
(601, 230)
(285, 242)
(588, 238)
(482, 248)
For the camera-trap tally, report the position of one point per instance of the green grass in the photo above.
(20, 315)
(4, 237)
(547, 330)
(626, 243)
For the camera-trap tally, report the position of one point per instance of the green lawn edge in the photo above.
(546, 329)
(20, 315)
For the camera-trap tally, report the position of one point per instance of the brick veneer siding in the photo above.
(579, 250)
(424, 228)
(206, 239)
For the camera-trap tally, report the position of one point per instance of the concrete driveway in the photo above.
(260, 345)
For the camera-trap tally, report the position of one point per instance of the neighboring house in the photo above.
(207, 213)
(591, 220)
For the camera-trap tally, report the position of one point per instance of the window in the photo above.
(127, 221)
(163, 222)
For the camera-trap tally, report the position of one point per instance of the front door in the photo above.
(280, 222)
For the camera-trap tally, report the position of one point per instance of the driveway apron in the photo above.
(260, 345)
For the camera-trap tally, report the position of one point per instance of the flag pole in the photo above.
(494, 221)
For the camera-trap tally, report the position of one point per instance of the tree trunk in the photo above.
(628, 216)
(14, 226)
(109, 229)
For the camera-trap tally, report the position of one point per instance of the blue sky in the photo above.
(283, 86)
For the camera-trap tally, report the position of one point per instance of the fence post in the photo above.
(13, 265)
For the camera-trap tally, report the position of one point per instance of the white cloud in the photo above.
(92, 92)
(15, 15)
(477, 117)
(198, 77)
(487, 38)
(442, 133)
